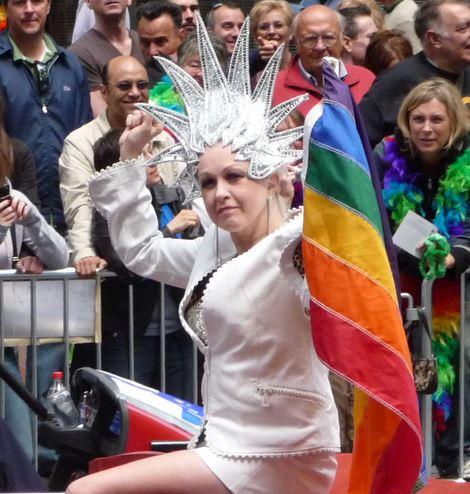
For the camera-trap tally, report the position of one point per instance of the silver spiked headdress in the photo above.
(224, 110)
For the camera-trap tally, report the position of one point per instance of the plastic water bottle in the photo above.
(60, 402)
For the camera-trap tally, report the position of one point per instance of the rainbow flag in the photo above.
(356, 323)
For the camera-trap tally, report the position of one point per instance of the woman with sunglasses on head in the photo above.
(271, 26)
(28, 244)
(270, 422)
(426, 169)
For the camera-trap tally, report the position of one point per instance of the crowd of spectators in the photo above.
(63, 111)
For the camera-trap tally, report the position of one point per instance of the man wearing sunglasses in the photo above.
(125, 84)
(318, 34)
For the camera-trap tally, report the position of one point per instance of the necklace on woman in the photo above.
(451, 203)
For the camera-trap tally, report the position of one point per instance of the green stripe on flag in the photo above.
(340, 179)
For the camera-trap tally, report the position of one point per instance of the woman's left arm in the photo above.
(49, 247)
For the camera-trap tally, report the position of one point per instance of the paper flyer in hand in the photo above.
(412, 232)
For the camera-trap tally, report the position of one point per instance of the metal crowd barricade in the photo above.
(463, 362)
(425, 403)
(163, 386)
(58, 306)
(426, 400)
(37, 309)
(426, 351)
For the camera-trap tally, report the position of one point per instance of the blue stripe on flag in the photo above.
(344, 139)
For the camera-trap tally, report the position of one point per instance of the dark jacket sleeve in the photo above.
(115, 291)
(24, 172)
(372, 115)
(460, 249)
(102, 243)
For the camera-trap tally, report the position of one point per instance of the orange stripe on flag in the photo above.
(375, 311)
(348, 236)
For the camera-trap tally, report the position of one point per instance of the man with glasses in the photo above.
(226, 19)
(317, 32)
(109, 38)
(443, 26)
(125, 83)
(188, 12)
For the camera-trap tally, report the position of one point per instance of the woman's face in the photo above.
(272, 26)
(192, 66)
(429, 128)
(234, 202)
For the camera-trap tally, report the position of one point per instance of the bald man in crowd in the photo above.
(317, 32)
(125, 83)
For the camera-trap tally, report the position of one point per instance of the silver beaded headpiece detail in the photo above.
(225, 111)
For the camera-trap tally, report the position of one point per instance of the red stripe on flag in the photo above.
(383, 374)
(406, 446)
(365, 360)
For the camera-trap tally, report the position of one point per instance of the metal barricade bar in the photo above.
(131, 332)
(162, 339)
(426, 400)
(464, 321)
(66, 277)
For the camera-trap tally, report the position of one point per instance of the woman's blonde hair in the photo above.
(443, 91)
(264, 6)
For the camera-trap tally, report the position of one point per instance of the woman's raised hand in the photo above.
(266, 48)
(140, 129)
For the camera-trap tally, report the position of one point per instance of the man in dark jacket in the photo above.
(443, 27)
